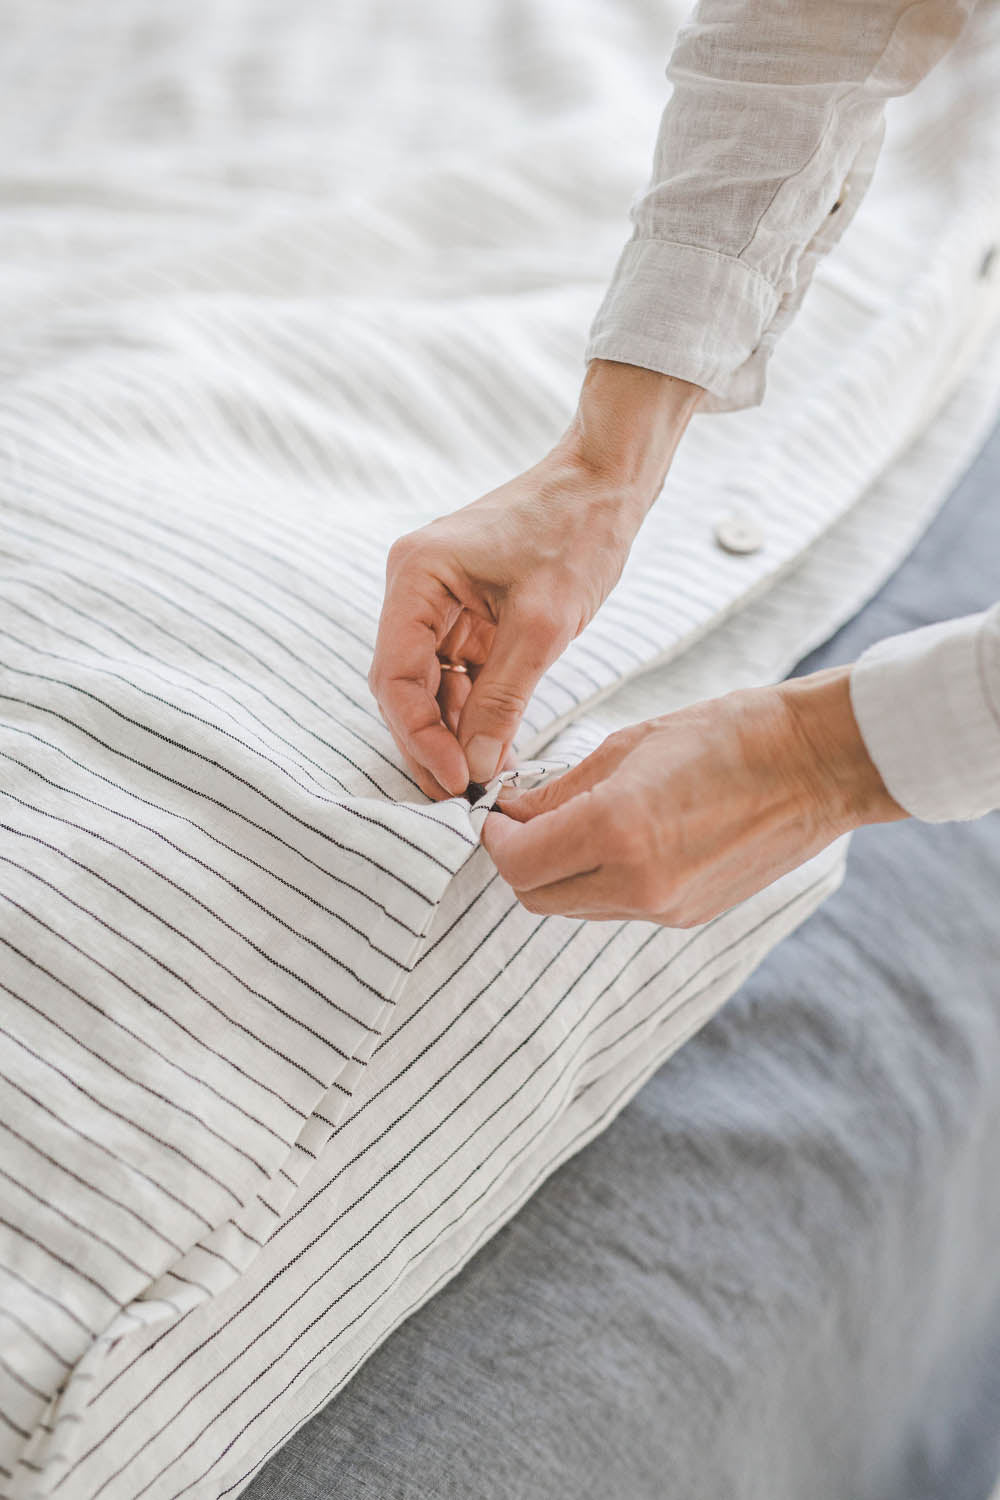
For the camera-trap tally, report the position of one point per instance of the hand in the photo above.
(505, 583)
(679, 818)
(502, 585)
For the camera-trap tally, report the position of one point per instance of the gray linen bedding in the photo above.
(777, 1274)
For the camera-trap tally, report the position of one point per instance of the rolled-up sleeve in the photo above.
(765, 148)
(928, 707)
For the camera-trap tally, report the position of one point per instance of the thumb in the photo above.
(527, 640)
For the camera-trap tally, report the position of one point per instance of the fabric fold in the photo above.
(243, 358)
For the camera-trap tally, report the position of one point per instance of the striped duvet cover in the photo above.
(279, 1049)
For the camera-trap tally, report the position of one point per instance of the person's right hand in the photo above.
(501, 585)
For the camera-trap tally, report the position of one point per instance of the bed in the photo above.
(776, 1274)
(281, 1051)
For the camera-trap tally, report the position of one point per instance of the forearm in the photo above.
(912, 729)
(626, 428)
(837, 777)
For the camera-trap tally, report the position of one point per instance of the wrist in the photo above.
(840, 776)
(627, 425)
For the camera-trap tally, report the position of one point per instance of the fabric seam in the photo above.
(655, 239)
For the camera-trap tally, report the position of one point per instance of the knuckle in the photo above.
(501, 700)
(539, 617)
(403, 550)
(621, 739)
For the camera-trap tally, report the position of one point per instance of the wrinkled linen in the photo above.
(928, 705)
(268, 305)
(766, 147)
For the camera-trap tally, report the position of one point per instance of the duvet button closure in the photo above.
(739, 533)
(841, 198)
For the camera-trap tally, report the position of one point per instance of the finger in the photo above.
(405, 677)
(551, 847)
(527, 640)
(428, 784)
(451, 696)
(595, 895)
(548, 795)
(429, 746)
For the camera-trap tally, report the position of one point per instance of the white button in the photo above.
(738, 532)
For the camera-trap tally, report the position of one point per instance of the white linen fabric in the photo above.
(268, 305)
(928, 706)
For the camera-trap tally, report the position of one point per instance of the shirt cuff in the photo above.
(928, 708)
(654, 314)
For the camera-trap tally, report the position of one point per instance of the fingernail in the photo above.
(483, 755)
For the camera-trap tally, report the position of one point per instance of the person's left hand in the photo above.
(676, 819)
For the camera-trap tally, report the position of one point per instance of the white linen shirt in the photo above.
(765, 149)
